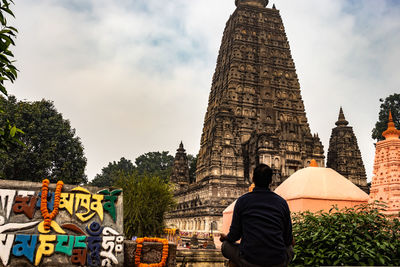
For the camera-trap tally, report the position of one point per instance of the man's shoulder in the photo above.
(243, 197)
(268, 195)
(278, 196)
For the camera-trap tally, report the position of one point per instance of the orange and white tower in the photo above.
(386, 180)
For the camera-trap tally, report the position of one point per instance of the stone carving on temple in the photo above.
(344, 155)
(255, 115)
(180, 170)
(385, 184)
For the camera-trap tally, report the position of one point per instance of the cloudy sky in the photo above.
(133, 76)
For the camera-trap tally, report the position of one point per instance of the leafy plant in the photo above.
(8, 72)
(391, 103)
(111, 172)
(351, 236)
(146, 199)
(51, 148)
(7, 35)
(192, 161)
(155, 163)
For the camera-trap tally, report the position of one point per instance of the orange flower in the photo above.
(43, 205)
(139, 245)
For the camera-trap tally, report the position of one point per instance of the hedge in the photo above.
(351, 236)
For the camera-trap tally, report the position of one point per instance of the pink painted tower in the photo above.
(386, 180)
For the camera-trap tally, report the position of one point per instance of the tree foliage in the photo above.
(51, 149)
(7, 35)
(109, 174)
(192, 161)
(146, 199)
(155, 163)
(352, 236)
(8, 72)
(392, 103)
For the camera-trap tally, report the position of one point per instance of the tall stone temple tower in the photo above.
(386, 179)
(255, 115)
(344, 156)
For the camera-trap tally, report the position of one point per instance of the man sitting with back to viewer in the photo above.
(261, 219)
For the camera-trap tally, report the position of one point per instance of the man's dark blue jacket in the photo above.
(262, 220)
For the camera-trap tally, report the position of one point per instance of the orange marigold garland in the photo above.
(138, 254)
(48, 217)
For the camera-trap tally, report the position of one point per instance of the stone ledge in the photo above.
(200, 258)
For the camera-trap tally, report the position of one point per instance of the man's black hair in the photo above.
(262, 175)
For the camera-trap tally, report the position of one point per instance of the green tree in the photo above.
(352, 236)
(192, 161)
(156, 163)
(392, 103)
(8, 72)
(110, 173)
(146, 199)
(51, 149)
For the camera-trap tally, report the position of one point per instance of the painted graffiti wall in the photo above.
(84, 225)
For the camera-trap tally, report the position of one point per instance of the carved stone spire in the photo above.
(255, 115)
(391, 131)
(259, 3)
(180, 170)
(181, 149)
(341, 120)
(344, 156)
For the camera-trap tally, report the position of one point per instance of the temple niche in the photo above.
(255, 115)
(344, 156)
(385, 184)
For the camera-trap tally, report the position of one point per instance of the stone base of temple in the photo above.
(200, 258)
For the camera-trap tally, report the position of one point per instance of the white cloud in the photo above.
(134, 76)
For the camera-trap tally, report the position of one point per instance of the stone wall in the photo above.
(200, 258)
(87, 231)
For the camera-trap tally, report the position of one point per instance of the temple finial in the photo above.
(273, 6)
(391, 131)
(181, 149)
(313, 163)
(341, 119)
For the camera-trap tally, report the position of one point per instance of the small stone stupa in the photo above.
(386, 174)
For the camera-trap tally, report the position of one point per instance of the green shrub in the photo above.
(146, 199)
(351, 236)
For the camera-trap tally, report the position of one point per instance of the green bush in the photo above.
(351, 236)
(146, 199)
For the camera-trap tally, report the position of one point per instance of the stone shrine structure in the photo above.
(344, 156)
(180, 170)
(386, 180)
(255, 115)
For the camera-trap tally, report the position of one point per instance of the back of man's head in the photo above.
(262, 175)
